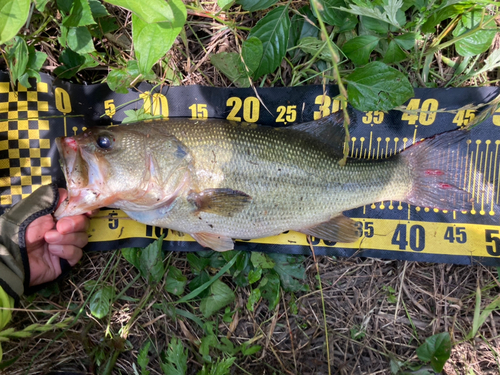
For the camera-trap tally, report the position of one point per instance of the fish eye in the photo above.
(104, 142)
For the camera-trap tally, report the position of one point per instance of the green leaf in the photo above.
(478, 41)
(104, 25)
(101, 301)
(72, 63)
(436, 350)
(79, 14)
(198, 282)
(261, 260)
(441, 14)
(229, 63)
(377, 87)
(225, 4)
(80, 40)
(64, 5)
(36, 59)
(389, 14)
(97, 9)
(253, 5)
(251, 52)
(175, 282)
(131, 254)
(221, 367)
(291, 271)
(270, 289)
(151, 261)
(272, 30)
(406, 41)
(40, 6)
(247, 350)
(197, 263)
(313, 45)
(253, 298)
(204, 286)
(119, 80)
(35, 63)
(333, 16)
(136, 116)
(143, 358)
(375, 25)
(241, 269)
(300, 27)
(174, 361)
(359, 49)
(151, 11)
(220, 296)
(228, 315)
(146, 36)
(394, 53)
(17, 57)
(13, 15)
(491, 62)
(254, 275)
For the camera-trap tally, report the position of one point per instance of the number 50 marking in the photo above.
(495, 248)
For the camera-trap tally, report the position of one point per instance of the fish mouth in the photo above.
(73, 165)
(75, 170)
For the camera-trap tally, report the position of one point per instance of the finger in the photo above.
(92, 213)
(44, 269)
(63, 194)
(37, 228)
(71, 253)
(79, 239)
(70, 224)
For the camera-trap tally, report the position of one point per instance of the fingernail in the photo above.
(65, 226)
(53, 236)
(57, 250)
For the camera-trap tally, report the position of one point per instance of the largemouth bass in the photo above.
(218, 180)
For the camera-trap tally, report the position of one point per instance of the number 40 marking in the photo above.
(417, 237)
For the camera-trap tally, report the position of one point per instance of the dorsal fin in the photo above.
(328, 129)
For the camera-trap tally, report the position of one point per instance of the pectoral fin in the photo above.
(224, 202)
(214, 241)
(338, 229)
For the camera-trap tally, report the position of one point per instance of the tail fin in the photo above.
(444, 176)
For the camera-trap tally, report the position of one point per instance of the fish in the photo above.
(219, 180)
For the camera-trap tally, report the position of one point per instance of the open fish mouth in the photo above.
(75, 170)
(73, 165)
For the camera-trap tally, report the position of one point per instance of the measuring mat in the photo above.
(31, 119)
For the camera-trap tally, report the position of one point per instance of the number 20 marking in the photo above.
(251, 109)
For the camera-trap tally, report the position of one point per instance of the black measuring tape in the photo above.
(31, 119)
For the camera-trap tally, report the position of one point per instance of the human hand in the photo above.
(48, 241)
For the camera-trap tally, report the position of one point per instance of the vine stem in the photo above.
(343, 97)
(327, 340)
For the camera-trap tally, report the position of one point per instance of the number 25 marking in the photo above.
(287, 114)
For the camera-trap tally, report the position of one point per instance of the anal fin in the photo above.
(223, 202)
(214, 241)
(337, 229)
